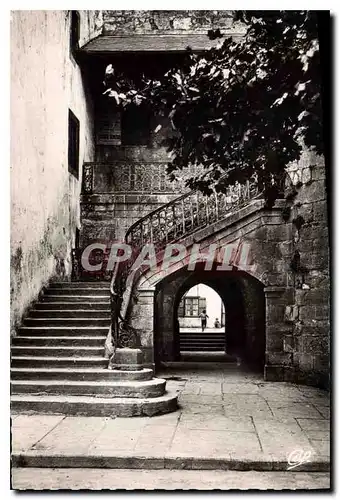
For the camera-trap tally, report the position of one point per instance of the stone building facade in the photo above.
(283, 306)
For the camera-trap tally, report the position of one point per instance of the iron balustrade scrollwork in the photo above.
(187, 214)
(131, 176)
(169, 223)
(87, 186)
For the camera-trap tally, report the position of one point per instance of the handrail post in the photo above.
(216, 205)
(183, 217)
(151, 230)
(191, 213)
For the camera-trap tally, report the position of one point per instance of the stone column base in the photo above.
(128, 359)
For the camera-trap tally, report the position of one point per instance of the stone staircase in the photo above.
(58, 363)
(198, 341)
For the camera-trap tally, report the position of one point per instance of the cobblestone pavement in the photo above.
(127, 479)
(225, 413)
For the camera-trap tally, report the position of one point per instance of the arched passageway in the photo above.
(200, 322)
(244, 304)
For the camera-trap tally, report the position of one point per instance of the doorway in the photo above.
(243, 316)
(201, 322)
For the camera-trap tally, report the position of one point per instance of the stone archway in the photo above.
(243, 299)
(266, 284)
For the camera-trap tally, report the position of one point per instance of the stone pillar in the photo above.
(142, 318)
(279, 354)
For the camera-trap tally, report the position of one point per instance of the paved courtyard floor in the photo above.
(228, 418)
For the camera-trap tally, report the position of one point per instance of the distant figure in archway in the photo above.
(217, 323)
(204, 317)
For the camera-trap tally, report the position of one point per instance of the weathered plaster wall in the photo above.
(45, 83)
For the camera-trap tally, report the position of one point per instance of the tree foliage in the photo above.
(243, 108)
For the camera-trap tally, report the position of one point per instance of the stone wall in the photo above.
(309, 311)
(266, 267)
(125, 22)
(46, 82)
(296, 301)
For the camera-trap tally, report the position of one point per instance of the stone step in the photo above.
(72, 305)
(75, 298)
(68, 321)
(63, 331)
(200, 348)
(59, 341)
(62, 362)
(193, 339)
(80, 284)
(69, 313)
(78, 291)
(116, 389)
(96, 374)
(94, 406)
(202, 336)
(58, 351)
(203, 346)
(202, 340)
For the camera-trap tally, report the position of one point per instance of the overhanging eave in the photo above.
(150, 43)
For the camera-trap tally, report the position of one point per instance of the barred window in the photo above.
(192, 306)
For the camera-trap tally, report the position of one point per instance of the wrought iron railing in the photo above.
(131, 176)
(187, 214)
(168, 224)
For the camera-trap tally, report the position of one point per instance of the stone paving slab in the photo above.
(97, 479)
(283, 409)
(26, 431)
(218, 423)
(242, 425)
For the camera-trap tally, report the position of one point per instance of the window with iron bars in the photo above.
(192, 306)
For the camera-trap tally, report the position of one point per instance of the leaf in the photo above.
(114, 94)
(109, 70)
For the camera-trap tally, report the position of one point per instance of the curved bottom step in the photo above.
(140, 389)
(94, 406)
